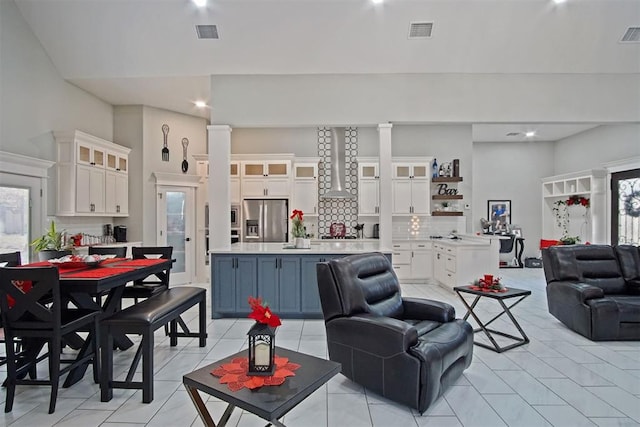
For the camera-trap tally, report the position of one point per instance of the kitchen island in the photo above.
(284, 277)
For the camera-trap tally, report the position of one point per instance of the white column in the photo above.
(219, 188)
(384, 133)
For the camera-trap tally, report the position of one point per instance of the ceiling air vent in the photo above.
(632, 35)
(207, 31)
(420, 30)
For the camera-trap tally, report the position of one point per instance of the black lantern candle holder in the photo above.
(262, 349)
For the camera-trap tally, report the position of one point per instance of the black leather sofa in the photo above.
(405, 349)
(595, 289)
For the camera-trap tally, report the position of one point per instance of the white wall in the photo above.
(592, 148)
(512, 171)
(369, 99)
(180, 126)
(34, 99)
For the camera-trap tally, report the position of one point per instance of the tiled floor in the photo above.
(559, 379)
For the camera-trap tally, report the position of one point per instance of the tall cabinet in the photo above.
(93, 176)
(588, 224)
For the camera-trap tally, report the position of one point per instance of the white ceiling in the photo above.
(147, 52)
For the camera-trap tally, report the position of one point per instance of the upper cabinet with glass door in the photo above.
(92, 176)
(270, 178)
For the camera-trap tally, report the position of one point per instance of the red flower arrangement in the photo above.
(577, 200)
(261, 313)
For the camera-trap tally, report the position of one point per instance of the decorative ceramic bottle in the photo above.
(434, 169)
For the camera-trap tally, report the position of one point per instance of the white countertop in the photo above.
(331, 247)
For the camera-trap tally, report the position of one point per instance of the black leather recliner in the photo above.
(595, 289)
(405, 349)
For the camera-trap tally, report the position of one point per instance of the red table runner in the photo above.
(142, 262)
(97, 273)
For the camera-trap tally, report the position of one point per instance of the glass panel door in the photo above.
(625, 207)
(176, 216)
(14, 221)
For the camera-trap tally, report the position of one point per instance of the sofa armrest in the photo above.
(576, 292)
(383, 336)
(424, 309)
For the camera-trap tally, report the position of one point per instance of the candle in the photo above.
(261, 354)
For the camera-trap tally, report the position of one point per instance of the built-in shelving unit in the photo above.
(588, 224)
(445, 197)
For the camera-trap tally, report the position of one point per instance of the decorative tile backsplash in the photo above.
(337, 210)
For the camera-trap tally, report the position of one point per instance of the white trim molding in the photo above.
(622, 165)
(22, 165)
(176, 179)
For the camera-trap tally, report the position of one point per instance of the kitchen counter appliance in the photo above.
(120, 233)
(265, 220)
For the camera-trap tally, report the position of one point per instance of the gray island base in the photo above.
(284, 278)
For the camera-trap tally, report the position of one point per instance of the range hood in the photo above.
(338, 167)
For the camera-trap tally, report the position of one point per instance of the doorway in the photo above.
(20, 213)
(176, 212)
(625, 207)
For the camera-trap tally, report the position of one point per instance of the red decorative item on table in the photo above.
(488, 283)
(235, 375)
(262, 337)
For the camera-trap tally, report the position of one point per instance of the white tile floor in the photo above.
(559, 379)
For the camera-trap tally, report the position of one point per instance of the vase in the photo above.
(299, 242)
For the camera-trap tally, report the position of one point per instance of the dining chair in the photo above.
(116, 251)
(10, 259)
(38, 323)
(154, 284)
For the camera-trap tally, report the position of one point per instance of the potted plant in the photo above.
(446, 206)
(51, 244)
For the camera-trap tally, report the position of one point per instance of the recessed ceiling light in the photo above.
(559, 1)
(200, 104)
(530, 134)
(200, 3)
(377, 1)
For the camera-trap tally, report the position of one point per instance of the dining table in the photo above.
(81, 284)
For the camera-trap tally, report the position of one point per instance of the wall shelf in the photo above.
(445, 197)
(446, 213)
(447, 179)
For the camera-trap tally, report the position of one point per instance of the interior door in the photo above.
(176, 227)
(20, 213)
(625, 207)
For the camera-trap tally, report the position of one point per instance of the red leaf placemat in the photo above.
(234, 373)
(97, 273)
(111, 260)
(61, 266)
(142, 262)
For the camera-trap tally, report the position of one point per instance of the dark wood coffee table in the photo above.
(269, 402)
(500, 297)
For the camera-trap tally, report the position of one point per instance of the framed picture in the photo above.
(499, 212)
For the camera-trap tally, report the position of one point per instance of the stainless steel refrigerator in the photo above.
(265, 220)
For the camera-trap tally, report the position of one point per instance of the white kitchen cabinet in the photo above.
(458, 264)
(421, 260)
(90, 189)
(92, 176)
(369, 189)
(410, 196)
(116, 194)
(305, 187)
(410, 188)
(412, 261)
(266, 179)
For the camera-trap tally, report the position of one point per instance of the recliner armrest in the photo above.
(575, 291)
(424, 309)
(383, 336)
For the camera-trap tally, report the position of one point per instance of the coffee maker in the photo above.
(376, 231)
(120, 233)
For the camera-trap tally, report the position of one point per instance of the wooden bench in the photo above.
(143, 319)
